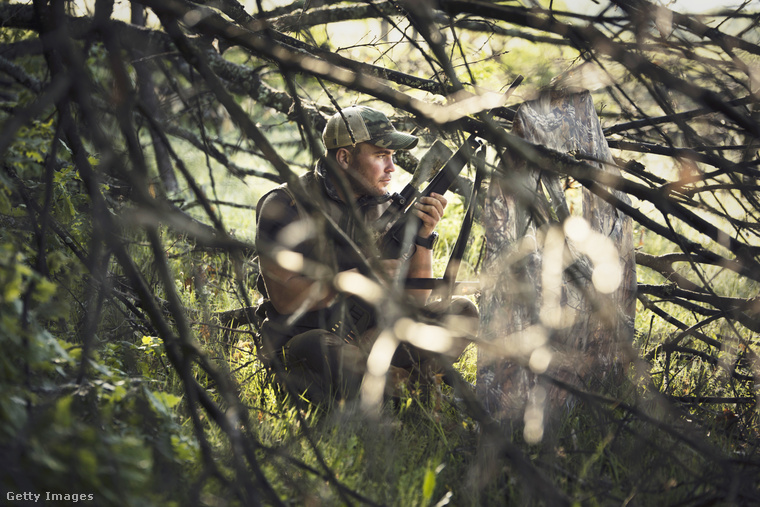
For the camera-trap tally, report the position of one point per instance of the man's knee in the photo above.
(463, 306)
(462, 318)
(327, 361)
(313, 344)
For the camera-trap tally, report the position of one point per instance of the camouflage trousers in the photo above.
(324, 366)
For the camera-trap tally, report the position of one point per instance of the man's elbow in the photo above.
(283, 301)
(283, 305)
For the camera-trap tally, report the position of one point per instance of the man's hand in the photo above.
(430, 211)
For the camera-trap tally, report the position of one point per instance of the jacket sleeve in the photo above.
(279, 224)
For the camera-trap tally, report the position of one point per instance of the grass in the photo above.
(409, 455)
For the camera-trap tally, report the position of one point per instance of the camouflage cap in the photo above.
(359, 124)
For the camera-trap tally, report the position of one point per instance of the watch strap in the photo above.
(428, 242)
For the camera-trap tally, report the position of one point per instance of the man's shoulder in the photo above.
(278, 194)
(280, 204)
(276, 205)
(284, 193)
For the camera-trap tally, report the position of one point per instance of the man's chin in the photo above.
(375, 191)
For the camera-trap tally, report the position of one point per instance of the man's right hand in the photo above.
(430, 211)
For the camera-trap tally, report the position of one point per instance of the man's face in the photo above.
(369, 169)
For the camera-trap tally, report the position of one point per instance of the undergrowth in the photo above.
(635, 447)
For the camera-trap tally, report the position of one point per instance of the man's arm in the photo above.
(289, 290)
(430, 211)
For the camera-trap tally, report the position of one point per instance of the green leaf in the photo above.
(118, 394)
(13, 414)
(88, 462)
(12, 287)
(428, 485)
(170, 400)
(185, 449)
(63, 412)
(162, 402)
(5, 203)
(44, 290)
(69, 205)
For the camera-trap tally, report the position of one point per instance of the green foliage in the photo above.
(102, 435)
(73, 422)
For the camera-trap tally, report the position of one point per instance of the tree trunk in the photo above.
(563, 300)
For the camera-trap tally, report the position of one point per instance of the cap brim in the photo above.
(396, 141)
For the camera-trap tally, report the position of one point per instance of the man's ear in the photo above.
(343, 158)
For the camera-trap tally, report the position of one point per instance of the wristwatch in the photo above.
(428, 242)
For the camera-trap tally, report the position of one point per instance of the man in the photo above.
(320, 336)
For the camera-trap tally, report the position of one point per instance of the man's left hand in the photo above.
(430, 211)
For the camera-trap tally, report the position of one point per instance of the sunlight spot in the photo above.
(723, 239)
(424, 336)
(608, 272)
(551, 278)
(193, 17)
(372, 394)
(360, 285)
(378, 364)
(287, 259)
(607, 277)
(315, 65)
(534, 431)
(530, 339)
(664, 21)
(379, 359)
(577, 229)
(534, 416)
(754, 78)
(602, 250)
(296, 233)
(540, 360)
(464, 103)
